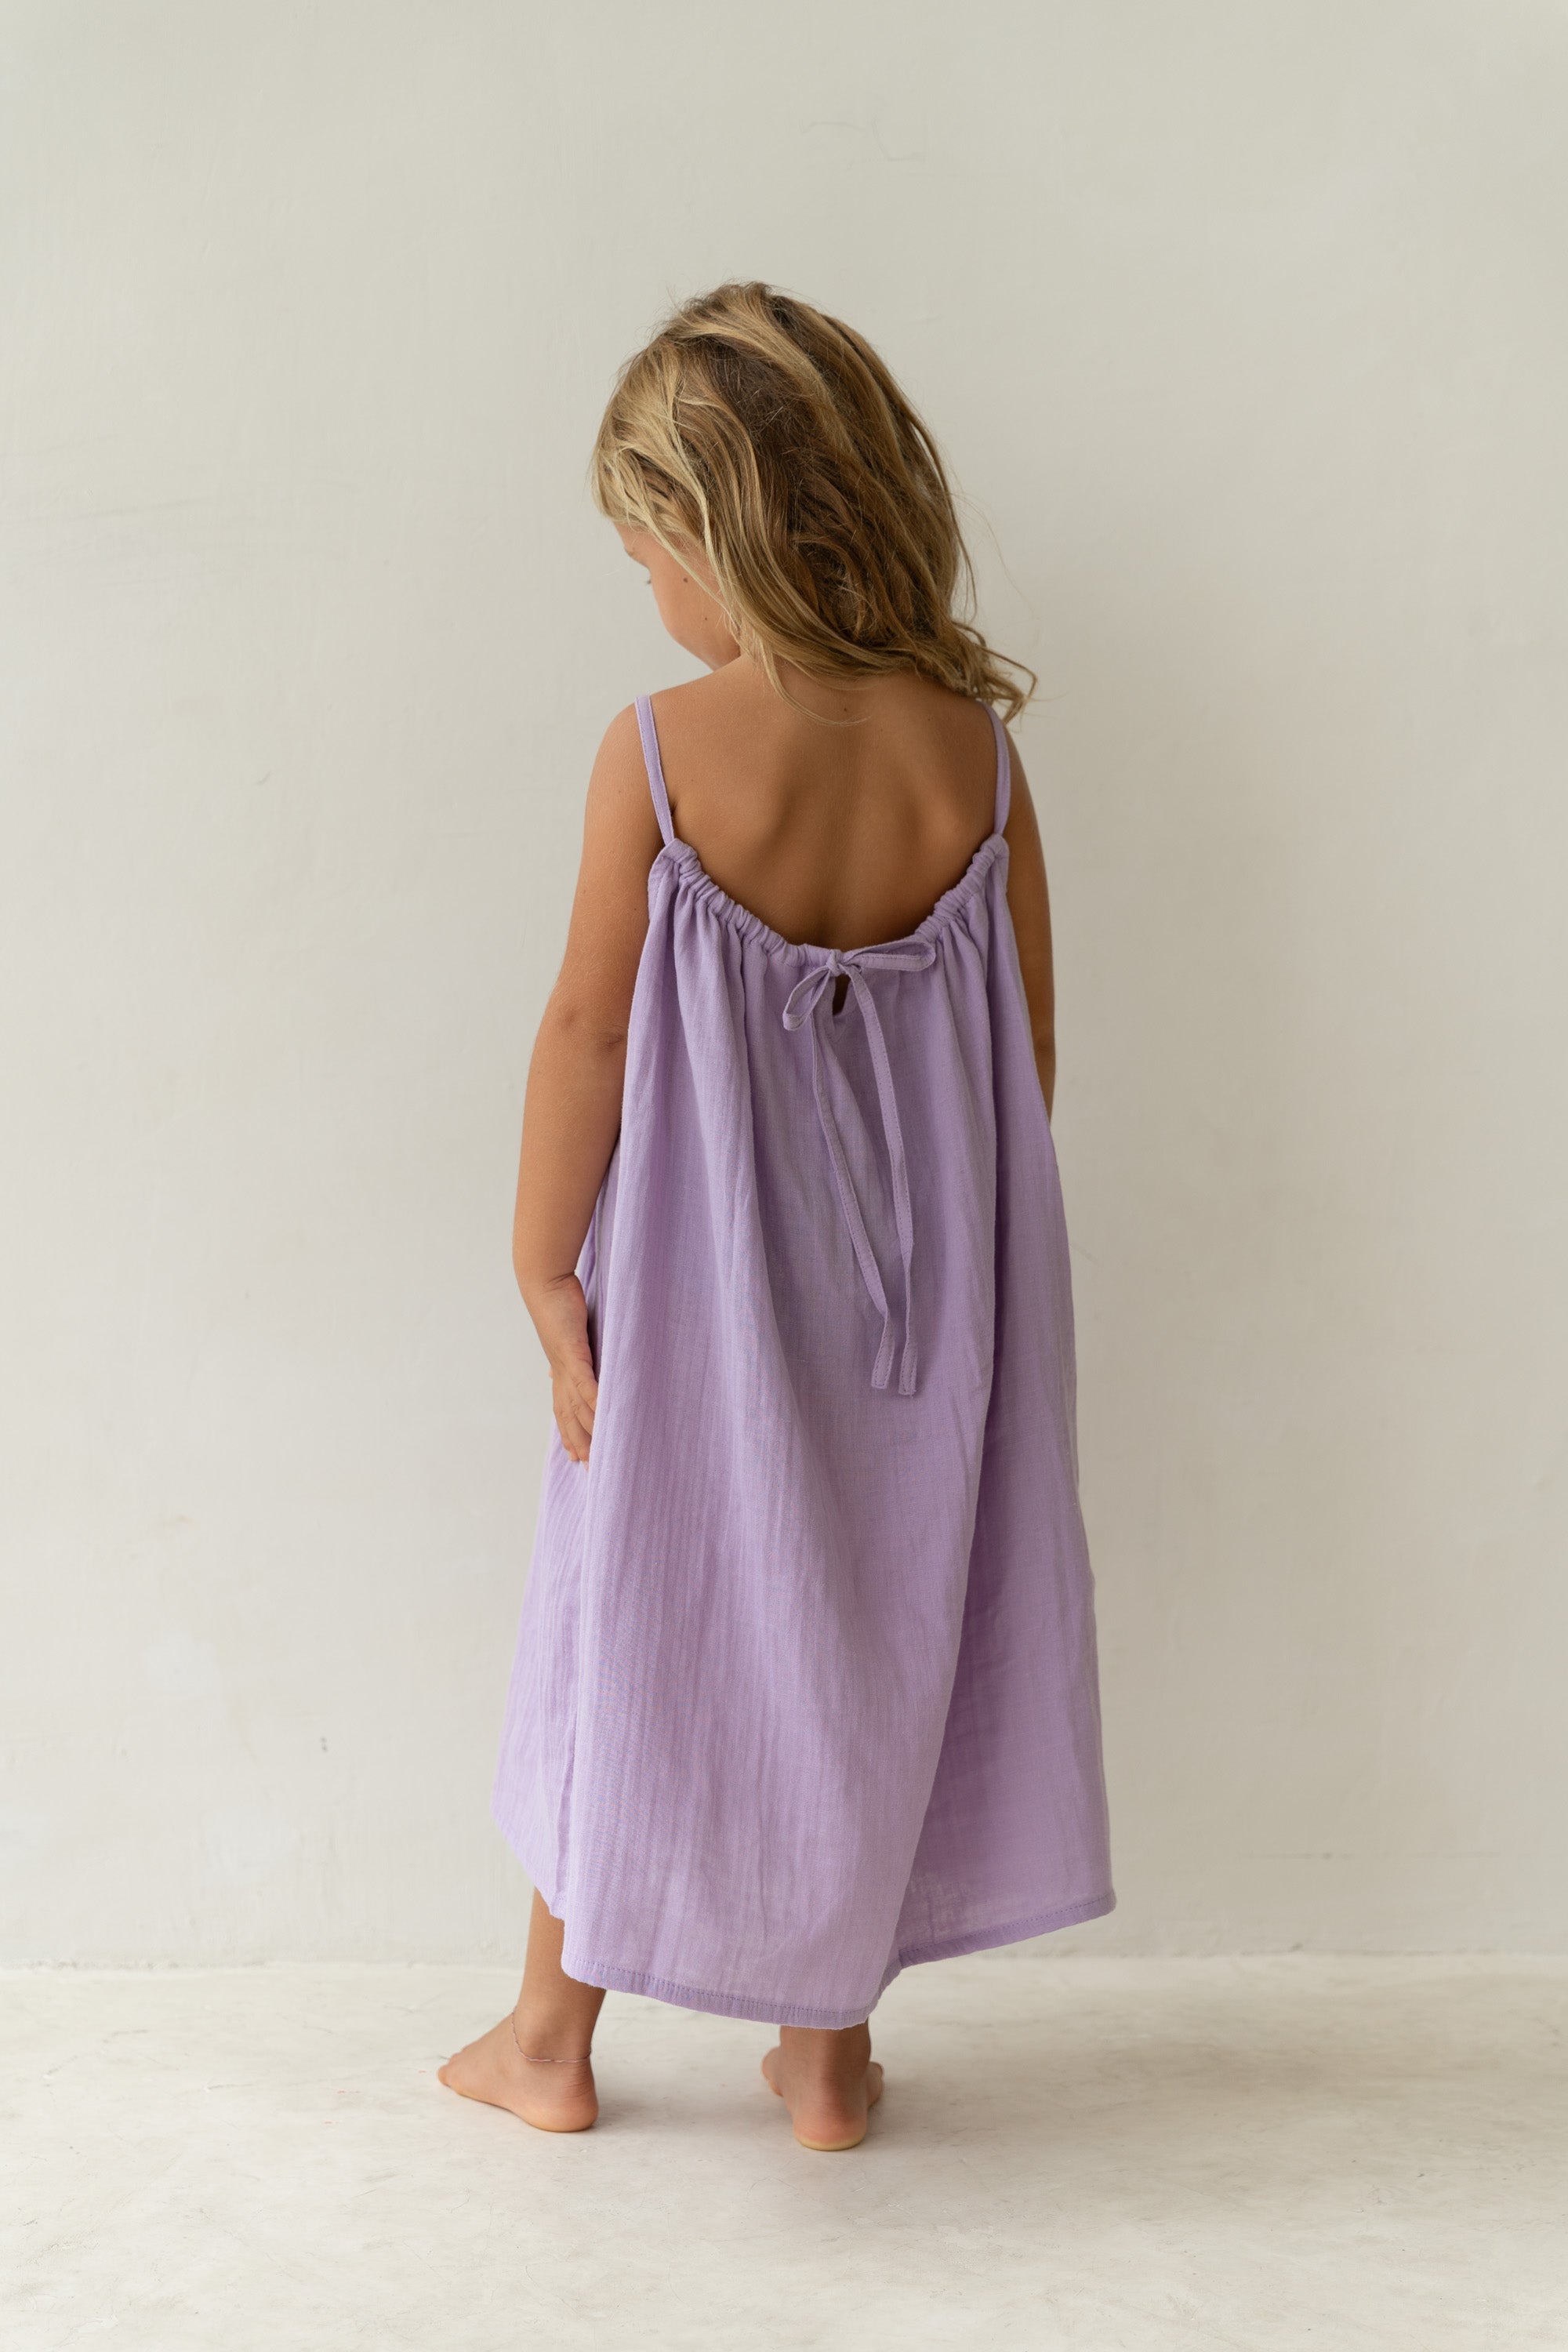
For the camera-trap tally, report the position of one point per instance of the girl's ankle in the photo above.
(546, 2037)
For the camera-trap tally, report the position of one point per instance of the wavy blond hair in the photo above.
(772, 437)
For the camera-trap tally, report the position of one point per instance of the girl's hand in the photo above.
(559, 1315)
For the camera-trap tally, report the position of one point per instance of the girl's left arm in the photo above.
(1029, 904)
(572, 1112)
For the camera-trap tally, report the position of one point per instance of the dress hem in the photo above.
(759, 2010)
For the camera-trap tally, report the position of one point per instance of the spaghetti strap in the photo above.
(655, 769)
(1003, 774)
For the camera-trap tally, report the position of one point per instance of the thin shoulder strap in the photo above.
(655, 770)
(1004, 776)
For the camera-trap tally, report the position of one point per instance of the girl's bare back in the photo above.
(834, 835)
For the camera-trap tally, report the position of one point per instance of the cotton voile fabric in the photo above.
(805, 1686)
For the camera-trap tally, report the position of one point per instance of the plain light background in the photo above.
(1242, 326)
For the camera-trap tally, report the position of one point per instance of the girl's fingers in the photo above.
(573, 1379)
(575, 1433)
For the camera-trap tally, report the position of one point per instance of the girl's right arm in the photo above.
(572, 1112)
(1029, 904)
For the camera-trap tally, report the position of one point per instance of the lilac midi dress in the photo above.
(805, 1688)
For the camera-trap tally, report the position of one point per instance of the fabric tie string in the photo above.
(799, 1013)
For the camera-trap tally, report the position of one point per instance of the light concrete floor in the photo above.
(1315, 2154)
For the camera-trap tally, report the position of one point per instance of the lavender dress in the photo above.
(806, 1688)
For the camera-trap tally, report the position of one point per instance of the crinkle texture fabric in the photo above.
(805, 1688)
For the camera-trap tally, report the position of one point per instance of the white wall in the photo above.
(1244, 325)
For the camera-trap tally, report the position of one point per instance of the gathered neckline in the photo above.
(690, 871)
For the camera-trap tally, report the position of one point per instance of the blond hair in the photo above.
(772, 438)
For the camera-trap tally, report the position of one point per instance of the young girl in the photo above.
(806, 1689)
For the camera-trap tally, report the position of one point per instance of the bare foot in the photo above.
(829, 2083)
(551, 2096)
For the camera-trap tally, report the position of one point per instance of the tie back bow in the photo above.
(799, 1007)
